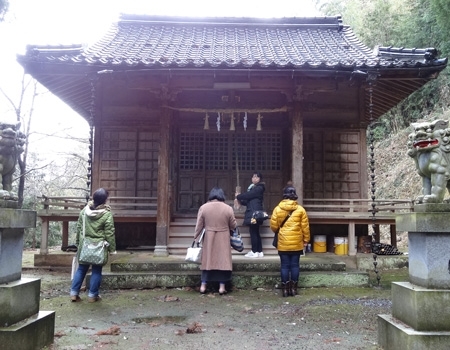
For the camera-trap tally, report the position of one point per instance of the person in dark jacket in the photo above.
(97, 221)
(293, 236)
(253, 200)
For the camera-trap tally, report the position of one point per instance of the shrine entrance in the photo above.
(208, 158)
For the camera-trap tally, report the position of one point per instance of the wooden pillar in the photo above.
(162, 216)
(393, 231)
(44, 236)
(65, 234)
(351, 239)
(376, 229)
(297, 151)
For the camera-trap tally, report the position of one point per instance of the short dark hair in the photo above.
(216, 193)
(290, 193)
(257, 173)
(100, 196)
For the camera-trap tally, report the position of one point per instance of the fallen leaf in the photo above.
(114, 330)
(194, 328)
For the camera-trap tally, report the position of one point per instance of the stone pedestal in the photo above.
(420, 308)
(22, 325)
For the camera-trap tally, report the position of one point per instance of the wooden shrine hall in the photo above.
(178, 105)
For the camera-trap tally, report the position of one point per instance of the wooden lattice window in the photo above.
(216, 151)
(331, 164)
(191, 150)
(129, 162)
(219, 151)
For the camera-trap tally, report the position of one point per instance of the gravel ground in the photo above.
(318, 318)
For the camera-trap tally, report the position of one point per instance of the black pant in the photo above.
(255, 238)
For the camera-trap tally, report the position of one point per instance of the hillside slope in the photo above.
(395, 172)
(396, 175)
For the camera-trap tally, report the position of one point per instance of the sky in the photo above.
(54, 22)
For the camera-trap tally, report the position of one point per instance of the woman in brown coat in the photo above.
(218, 219)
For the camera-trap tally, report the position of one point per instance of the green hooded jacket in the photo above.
(99, 225)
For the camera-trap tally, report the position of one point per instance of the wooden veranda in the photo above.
(346, 213)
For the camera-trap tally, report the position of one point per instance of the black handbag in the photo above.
(258, 217)
(275, 237)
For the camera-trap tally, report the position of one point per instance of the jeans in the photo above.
(94, 284)
(255, 239)
(290, 264)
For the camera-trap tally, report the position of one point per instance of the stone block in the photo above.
(432, 208)
(423, 222)
(54, 260)
(34, 333)
(11, 248)
(395, 335)
(19, 300)
(13, 218)
(429, 259)
(12, 224)
(421, 308)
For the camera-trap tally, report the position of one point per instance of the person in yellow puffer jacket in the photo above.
(293, 236)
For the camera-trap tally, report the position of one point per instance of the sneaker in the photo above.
(260, 255)
(94, 299)
(75, 298)
(250, 254)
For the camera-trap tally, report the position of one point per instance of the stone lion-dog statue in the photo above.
(429, 146)
(11, 145)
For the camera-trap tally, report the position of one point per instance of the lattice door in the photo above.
(209, 159)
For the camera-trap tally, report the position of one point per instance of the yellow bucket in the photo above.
(341, 245)
(320, 244)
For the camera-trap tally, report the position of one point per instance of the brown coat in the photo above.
(218, 219)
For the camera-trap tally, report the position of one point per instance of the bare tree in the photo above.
(4, 5)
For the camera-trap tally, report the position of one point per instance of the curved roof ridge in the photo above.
(248, 21)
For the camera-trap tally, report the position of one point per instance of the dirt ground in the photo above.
(318, 318)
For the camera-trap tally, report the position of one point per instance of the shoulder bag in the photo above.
(194, 253)
(258, 216)
(275, 238)
(92, 252)
(236, 240)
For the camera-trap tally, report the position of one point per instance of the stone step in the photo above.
(247, 265)
(146, 271)
(241, 279)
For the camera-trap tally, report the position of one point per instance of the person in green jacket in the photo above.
(293, 236)
(98, 222)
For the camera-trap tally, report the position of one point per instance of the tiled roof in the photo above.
(172, 42)
(315, 46)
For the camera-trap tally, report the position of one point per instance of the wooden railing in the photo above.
(358, 211)
(66, 209)
(144, 209)
(359, 207)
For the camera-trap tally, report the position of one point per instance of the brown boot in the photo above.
(293, 288)
(285, 289)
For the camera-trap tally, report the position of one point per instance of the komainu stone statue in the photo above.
(11, 145)
(429, 146)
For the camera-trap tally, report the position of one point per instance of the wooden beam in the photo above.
(297, 152)
(163, 220)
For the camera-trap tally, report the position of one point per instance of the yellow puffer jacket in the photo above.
(295, 231)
